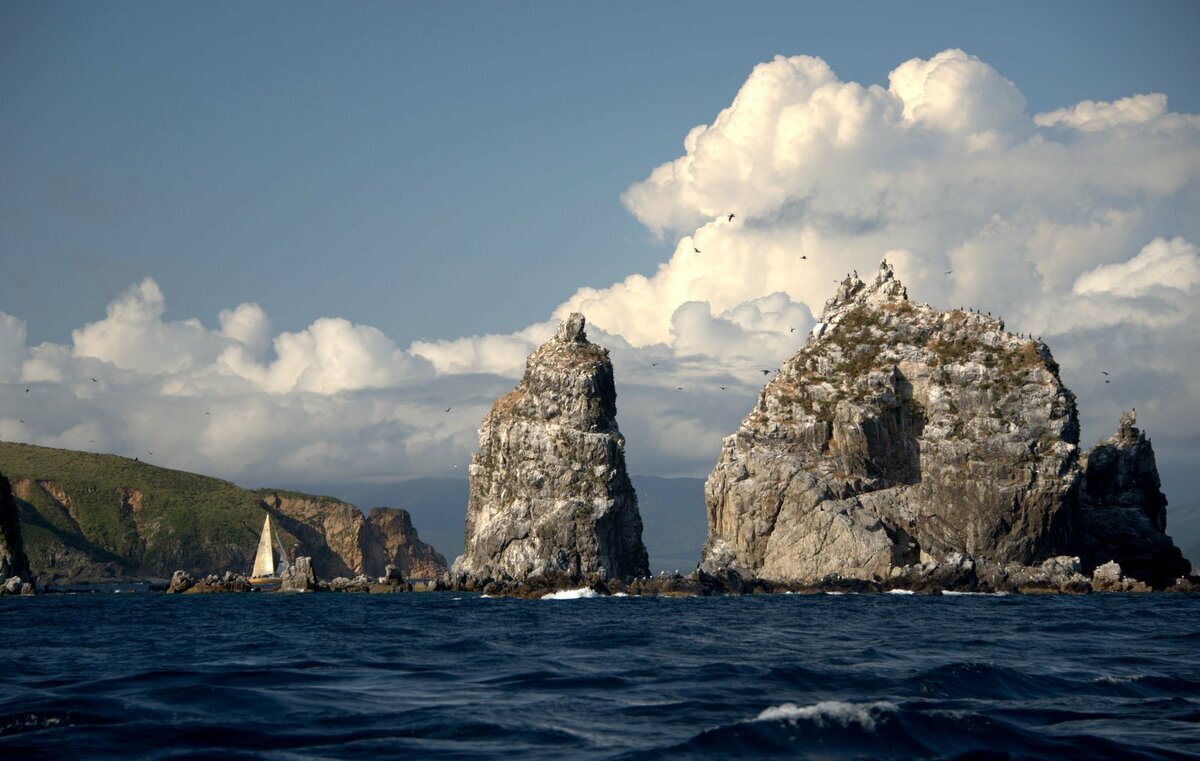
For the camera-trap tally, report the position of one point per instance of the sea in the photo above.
(450, 675)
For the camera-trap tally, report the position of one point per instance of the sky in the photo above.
(284, 237)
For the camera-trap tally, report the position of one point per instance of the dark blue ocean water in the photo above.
(450, 675)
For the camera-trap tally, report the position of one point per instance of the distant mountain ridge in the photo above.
(95, 517)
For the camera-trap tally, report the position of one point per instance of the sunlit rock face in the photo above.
(1123, 516)
(549, 494)
(899, 433)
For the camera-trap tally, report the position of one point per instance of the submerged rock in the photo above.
(900, 434)
(549, 494)
(1123, 514)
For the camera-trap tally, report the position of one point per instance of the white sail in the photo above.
(264, 561)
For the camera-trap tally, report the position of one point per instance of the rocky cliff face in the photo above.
(341, 541)
(13, 562)
(549, 494)
(396, 544)
(1123, 515)
(898, 434)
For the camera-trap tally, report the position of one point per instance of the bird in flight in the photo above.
(695, 249)
(1104, 372)
(27, 391)
(721, 387)
(766, 372)
(731, 217)
(206, 413)
(679, 388)
(791, 330)
(447, 409)
(949, 272)
(149, 452)
(654, 364)
(95, 381)
(22, 422)
(804, 257)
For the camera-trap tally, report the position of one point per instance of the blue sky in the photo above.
(432, 169)
(325, 223)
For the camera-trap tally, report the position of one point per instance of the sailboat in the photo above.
(266, 570)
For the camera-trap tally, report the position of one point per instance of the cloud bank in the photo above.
(1077, 224)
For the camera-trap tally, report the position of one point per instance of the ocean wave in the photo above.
(952, 593)
(900, 592)
(829, 712)
(582, 593)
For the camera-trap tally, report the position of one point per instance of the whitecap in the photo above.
(952, 593)
(571, 594)
(1110, 679)
(830, 712)
(900, 592)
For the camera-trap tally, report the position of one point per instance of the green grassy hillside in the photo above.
(86, 515)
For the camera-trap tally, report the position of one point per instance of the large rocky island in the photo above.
(902, 439)
(87, 517)
(550, 500)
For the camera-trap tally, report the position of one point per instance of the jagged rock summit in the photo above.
(901, 434)
(549, 495)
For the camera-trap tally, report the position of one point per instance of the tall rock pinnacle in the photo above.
(549, 495)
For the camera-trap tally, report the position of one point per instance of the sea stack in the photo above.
(1123, 516)
(898, 434)
(550, 500)
(902, 441)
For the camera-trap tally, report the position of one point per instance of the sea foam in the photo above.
(571, 594)
(829, 712)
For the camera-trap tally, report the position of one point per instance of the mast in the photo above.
(264, 561)
(283, 556)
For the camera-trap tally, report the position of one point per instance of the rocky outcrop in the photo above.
(299, 577)
(13, 561)
(395, 542)
(549, 494)
(229, 582)
(898, 434)
(181, 581)
(1123, 516)
(1110, 578)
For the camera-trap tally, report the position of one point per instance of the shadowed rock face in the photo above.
(13, 562)
(1123, 514)
(549, 493)
(899, 433)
